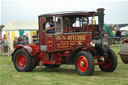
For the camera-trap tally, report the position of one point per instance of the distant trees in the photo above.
(1, 26)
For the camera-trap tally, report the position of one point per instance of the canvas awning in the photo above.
(21, 25)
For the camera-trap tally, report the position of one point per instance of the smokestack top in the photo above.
(100, 10)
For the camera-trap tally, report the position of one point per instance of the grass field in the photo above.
(65, 75)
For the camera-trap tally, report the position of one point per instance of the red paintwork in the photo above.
(42, 33)
(49, 62)
(50, 43)
(32, 49)
(21, 60)
(85, 63)
(99, 63)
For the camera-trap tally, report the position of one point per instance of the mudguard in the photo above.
(31, 49)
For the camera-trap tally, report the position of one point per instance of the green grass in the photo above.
(65, 75)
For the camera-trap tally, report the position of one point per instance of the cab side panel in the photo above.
(42, 34)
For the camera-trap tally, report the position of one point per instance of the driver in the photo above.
(50, 28)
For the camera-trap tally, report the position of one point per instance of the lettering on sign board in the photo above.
(67, 41)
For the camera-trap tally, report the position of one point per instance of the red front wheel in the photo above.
(84, 63)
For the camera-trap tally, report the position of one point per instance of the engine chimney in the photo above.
(101, 18)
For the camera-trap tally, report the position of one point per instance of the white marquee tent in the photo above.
(18, 28)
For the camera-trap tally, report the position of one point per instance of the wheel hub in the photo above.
(21, 60)
(82, 64)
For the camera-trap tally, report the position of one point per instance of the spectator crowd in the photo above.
(4, 42)
(21, 40)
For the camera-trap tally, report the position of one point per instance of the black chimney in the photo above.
(101, 18)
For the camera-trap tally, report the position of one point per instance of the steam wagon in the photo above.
(75, 37)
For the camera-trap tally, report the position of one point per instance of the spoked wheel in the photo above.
(84, 63)
(23, 61)
(52, 66)
(110, 62)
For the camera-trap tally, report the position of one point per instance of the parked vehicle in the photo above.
(77, 39)
(124, 51)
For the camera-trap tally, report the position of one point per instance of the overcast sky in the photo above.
(116, 11)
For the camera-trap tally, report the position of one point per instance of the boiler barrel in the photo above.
(124, 53)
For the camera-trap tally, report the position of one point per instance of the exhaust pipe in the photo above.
(101, 20)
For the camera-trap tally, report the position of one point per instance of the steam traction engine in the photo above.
(78, 40)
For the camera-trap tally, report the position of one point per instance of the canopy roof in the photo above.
(68, 13)
(21, 25)
(124, 28)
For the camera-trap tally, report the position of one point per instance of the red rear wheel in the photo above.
(23, 62)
